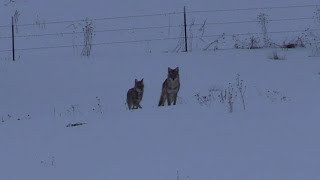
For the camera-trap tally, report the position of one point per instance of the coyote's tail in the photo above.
(161, 101)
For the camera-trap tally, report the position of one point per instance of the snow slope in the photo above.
(275, 138)
(272, 139)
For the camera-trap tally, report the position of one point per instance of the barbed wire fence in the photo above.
(181, 38)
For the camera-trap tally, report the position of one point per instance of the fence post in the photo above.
(185, 30)
(13, 53)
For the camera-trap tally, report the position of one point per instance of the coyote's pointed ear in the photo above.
(135, 81)
(141, 80)
(169, 69)
(177, 69)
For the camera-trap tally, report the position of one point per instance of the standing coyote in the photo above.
(135, 94)
(170, 87)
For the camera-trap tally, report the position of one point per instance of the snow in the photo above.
(275, 138)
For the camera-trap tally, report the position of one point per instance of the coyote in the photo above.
(170, 87)
(135, 94)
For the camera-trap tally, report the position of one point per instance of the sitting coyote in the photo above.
(170, 87)
(135, 94)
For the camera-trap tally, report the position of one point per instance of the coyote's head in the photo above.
(173, 73)
(138, 85)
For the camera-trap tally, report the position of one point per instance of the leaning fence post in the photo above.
(13, 53)
(185, 30)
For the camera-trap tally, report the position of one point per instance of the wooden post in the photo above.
(185, 30)
(13, 53)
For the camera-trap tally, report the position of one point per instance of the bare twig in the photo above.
(16, 19)
(203, 27)
(215, 43)
(88, 38)
(9, 2)
(180, 42)
(263, 22)
(242, 90)
(41, 23)
(190, 37)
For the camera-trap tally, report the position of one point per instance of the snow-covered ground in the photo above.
(274, 138)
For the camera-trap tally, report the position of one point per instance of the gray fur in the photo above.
(135, 95)
(170, 88)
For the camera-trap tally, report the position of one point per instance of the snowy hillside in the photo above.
(269, 133)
